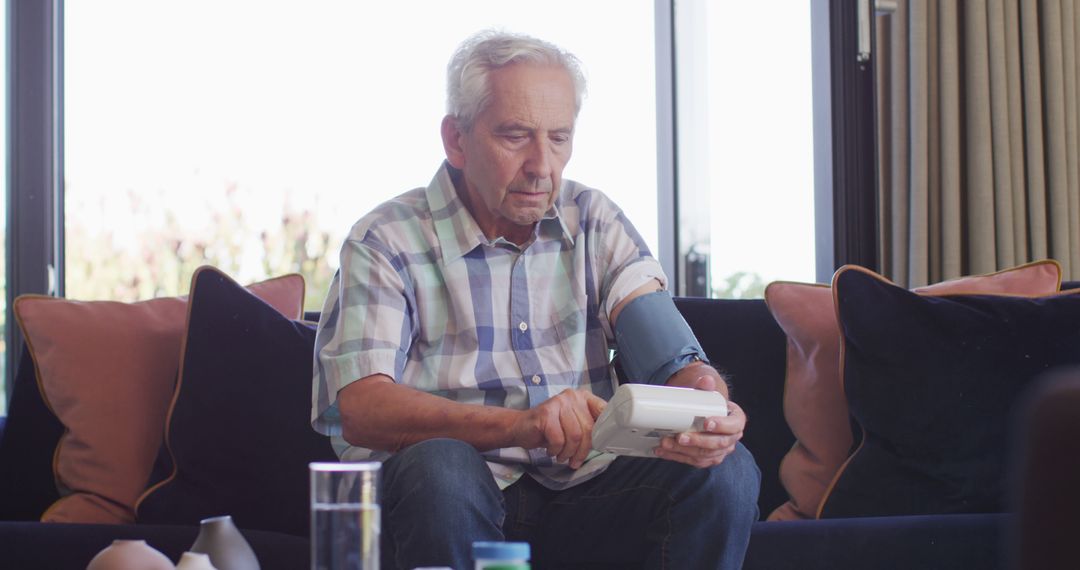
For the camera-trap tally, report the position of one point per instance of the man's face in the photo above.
(514, 155)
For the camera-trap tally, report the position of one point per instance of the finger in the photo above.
(571, 432)
(585, 416)
(691, 442)
(579, 422)
(698, 457)
(596, 405)
(554, 436)
(734, 422)
(692, 451)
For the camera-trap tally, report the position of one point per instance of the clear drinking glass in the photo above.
(345, 516)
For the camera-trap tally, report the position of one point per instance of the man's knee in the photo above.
(436, 471)
(741, 468)
(737, 481)
(725, 492)
(438, 496)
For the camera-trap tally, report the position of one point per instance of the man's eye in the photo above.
(515, 138)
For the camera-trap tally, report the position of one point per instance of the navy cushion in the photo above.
(932, 382)
(239, 435)
(30, 435)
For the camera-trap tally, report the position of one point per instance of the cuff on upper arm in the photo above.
(654, 340)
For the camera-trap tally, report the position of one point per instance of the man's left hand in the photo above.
(720, 434)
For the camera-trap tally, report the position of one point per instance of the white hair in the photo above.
(468, 89)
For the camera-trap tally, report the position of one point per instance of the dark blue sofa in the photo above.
(739, 336)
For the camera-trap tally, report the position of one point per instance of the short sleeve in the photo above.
(626, 261)
(364, 328)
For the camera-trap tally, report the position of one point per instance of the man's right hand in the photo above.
(563, 425)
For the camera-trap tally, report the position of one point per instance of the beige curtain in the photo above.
(979, 137)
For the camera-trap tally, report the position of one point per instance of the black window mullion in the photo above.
(34, 194)
(854, 142)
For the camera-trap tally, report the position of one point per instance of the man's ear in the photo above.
(451, 139)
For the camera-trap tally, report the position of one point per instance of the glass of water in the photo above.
(345, 517)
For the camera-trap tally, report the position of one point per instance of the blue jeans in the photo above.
(438, 497)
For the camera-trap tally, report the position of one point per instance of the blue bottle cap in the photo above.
(482, 550)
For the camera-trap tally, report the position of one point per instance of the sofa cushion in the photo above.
(814, 403)
(239, 434)
(106, 370)
(931, 381)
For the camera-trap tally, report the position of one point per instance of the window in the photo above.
(257, 135)
(253, 139)
(745, 147)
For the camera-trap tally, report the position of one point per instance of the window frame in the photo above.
(35, 215)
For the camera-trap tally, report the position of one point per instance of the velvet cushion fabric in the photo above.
(932, 381)
(814, 403)
(107, 370)
(238, 433)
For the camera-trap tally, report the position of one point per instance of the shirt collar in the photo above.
(457, 230)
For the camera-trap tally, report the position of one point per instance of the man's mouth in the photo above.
(531, 190)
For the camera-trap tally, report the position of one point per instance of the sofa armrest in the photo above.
(1047, 443)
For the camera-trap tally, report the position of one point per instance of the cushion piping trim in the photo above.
(176, 393)
(44, 398)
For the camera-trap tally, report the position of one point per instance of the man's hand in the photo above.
(718, 438)
(563, 424)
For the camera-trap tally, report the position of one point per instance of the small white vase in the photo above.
(130, 555)
(194, 561)
(219, 538)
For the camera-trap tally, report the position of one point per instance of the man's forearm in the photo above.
(379, 414)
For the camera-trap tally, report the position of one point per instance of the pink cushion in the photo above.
(107, 370)
(814, 403)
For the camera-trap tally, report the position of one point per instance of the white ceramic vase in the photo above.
(130, 555)
(195, 561)
(222, 541)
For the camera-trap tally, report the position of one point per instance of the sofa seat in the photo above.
(882, 543)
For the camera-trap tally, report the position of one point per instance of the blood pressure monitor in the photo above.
(639, 415)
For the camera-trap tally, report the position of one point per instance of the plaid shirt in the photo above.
(425, 298)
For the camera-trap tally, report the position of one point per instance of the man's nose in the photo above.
(538, 162)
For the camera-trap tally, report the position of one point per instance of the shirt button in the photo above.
(535, 379)
(523, 327)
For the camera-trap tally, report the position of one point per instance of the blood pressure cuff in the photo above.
(654, 340)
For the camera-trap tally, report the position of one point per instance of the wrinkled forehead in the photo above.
(532, 92)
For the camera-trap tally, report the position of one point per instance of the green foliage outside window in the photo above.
(161, 259)
(740, 285)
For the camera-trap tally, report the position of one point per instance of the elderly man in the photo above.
(465, 343)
